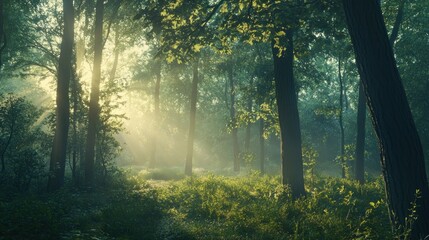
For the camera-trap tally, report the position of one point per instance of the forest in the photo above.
(214, 119)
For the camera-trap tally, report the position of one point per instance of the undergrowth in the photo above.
(204, 207)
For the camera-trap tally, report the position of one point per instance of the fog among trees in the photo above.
(214, 119)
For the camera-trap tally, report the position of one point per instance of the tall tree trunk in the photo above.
(249, 125)
(232, 115)
(2, 33)
(152, 161)
(361, 116)
(261, 145)
(94, 108)
(291, 152)
(75, 104)
(112, 73)
(6, 146)
(193, 111)
(397, 24)
(76, 91)
(59, 146)
(360, 138)
(342, 160)
(3, 163)
(401, 150)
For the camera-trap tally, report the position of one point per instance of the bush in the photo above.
(30, 218)
(254, 207)
(133, 215)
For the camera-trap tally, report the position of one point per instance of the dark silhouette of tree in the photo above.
(402, 156)
(232, 116)
(361, 115)
(290, 132)
(192, 115)
(360, 137)
(94, 108)
(59, 147)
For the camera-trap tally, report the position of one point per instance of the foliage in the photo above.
(23, 143)
(257, 207)
(205, 207)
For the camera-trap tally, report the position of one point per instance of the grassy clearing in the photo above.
(202, 207)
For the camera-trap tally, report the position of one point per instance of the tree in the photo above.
(2, 33)
(59, 147)
(22, 142)
(192, 114)
(360, 137)
(249, 108)
(402, 156)
(361, 115)
(230, 79)
(94, 108)
(341, 121)
(290, 132)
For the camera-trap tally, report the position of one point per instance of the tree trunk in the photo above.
(6, 145)
(75, 104)
(94, 108)
(2, 33)
(3, 164)
(360, 138)
(59, 146)
(234, 131)
(397, 24)
(361, 116)
(152, 161)
(287, 103)
(261, 145)
(249, 125)
(401, 151)
(193, 111)
(342, 160)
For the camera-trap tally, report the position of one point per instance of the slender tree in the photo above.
(360, 137)
(192, 115)
(397, 24)
(157, 68)
(59, 147)
(2, 33)
(261, 145)
(233, 118)
(156, 96)
(341, 121)
(94, 108)
(402, 157)
(249, 106)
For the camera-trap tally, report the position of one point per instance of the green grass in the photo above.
(202, 207)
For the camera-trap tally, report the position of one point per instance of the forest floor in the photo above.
(149, 205)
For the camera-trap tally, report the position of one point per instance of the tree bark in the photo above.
(360, 138)
(402, 157)
(59, 146)
(193, 111)
(232, 115)
(287, 103)
(340, 120)
(361, 115)
(94, 108)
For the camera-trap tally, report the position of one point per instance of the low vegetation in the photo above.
(202, 207)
